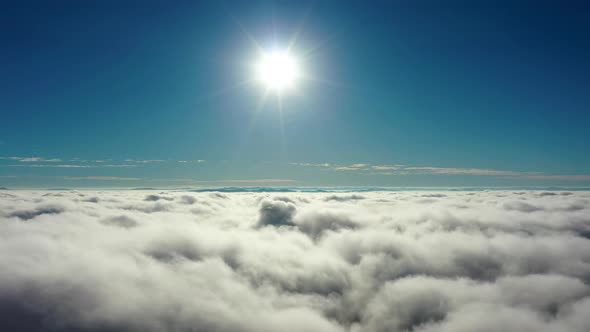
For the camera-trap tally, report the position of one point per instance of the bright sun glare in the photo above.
(277, 71)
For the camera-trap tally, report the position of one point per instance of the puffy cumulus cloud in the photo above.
(380, 261)
(276, 213)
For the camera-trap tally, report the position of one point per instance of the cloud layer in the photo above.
(370, 261)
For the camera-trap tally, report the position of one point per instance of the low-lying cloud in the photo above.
(370, 261)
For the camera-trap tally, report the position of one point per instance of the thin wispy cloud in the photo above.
(51, 166)
(386, 167)
(72, 166)
(259, 181)
(198, 161)
(146, 161)
(79, 160)
(360, 168)
(33, 159)
(311, 164)
(560, 177)
(228, 181)
(467, 171)
(403, 170)
(41, 162)
(100, 178)
(416, 169)
(353, 167)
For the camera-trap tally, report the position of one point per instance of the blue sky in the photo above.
(420, 93)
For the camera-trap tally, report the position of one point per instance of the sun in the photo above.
(277, 70)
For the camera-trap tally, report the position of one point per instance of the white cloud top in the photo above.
(371, 261)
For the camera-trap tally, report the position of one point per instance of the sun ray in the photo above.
(282, 128)
(259, 106)
(298, 30)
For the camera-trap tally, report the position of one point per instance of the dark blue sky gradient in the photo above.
(497, 85)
